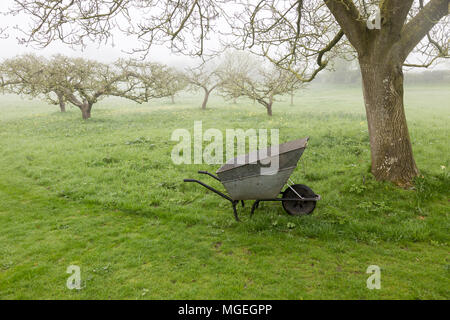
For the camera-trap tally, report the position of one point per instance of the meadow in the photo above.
(104, 195)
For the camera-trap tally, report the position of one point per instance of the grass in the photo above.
(104, 195)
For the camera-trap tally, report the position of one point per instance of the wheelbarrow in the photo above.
(243, 179)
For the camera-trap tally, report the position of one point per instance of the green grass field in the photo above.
(104, 195)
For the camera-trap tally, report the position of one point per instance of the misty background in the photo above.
(341, 72)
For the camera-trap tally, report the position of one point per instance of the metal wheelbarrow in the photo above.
(243, 180)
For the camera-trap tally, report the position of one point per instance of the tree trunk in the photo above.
(62, 103)
(292, 98)
(205, 100)
(382, 51)
(86, 111)
(391, 150)
(172, 98)
(269, 108)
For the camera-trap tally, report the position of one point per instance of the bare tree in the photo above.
(205, 77)
(82, 82)
(53, 77)
(33, 76)
(260, 83)
(90, 81)
(380, 34)
(235, 64)
(297, 35)
(17, 75)
(294, 85)
(174, 82)
(142, 81)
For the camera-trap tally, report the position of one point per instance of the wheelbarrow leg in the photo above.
(235, 210)
(254, 207)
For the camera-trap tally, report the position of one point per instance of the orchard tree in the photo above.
(205, 77)
(21, 75)
(90, 81)
(82, 82)
(174, 82)
(148, 80)
(53, 78)
(294, 85)
(244, 75)
(380, 34)
(234, 65)
(300, 36)
(33, 76)
(262, 84)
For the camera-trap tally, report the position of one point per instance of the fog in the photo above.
(118, 47)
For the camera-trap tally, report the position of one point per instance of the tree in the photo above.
(53, 78)
(18, 75)
(262, 84)
(294, 85)
(205, 77)
(175, 81)
(33, 76)
(299, 36)
(381, 40)
(90, 81)
(82, 82)
(234, 64)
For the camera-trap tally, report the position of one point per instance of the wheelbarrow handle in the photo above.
(209, 174)
(210, 188)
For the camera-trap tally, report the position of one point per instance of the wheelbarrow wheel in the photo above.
(299, 208)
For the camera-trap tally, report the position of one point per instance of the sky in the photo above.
(106, 53)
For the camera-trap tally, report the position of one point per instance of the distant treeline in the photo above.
(346, 77)
(428, 76)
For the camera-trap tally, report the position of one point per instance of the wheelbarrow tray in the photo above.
(242, 176)
(244, 179)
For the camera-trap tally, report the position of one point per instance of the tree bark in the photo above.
(62, 103)
(269, 110)
(86, 111)
(205, 99)
(269, 107)
(381, 55)
(391, 150)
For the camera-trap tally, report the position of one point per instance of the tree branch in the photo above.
(349, 18)
(320, 63)
(394, 13)
(422, 23)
